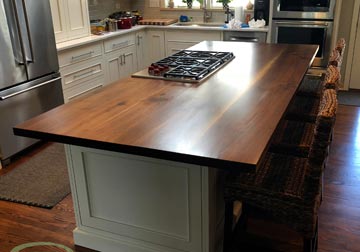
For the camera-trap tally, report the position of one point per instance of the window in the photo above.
(210, 3)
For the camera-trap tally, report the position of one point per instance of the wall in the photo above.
(344, 30)
(100, 9)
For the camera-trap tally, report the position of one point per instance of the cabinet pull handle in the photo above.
(121, 44)
(76, 76)
(139, 37)
(88, 54)
(121, 59)
(124, 59)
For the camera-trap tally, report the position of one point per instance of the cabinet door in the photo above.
(121, 63)
(129, 65)
(141, 55)
(156, 44)
(78, 18)
(113, 63)
(58, 8)
(174, 47)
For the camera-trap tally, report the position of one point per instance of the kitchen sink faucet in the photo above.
(229, 14)
(207, 14)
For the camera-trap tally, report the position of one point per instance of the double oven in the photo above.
(304, 22)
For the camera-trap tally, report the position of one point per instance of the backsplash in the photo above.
(196, 14)
(100, 9)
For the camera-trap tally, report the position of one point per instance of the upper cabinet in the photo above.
(70, 19)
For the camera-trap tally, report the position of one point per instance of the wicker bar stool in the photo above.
(335, 58)
(332, 77)
(304, 107)
(311, 85)
(294, 137)
(340, 46)
(286, 188)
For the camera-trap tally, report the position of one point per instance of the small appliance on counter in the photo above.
(126, 19)
(261, 10)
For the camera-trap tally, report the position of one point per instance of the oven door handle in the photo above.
(303, 23)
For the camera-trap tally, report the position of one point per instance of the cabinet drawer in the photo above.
(82, 74)
(119, 42)
(83, 88)
(192, 36)
(80, 54)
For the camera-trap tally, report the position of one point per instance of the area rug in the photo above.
(41, 181)
(351, 98)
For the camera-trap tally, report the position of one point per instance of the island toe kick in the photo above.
(132, 203)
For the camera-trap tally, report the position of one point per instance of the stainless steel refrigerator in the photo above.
(29, 71)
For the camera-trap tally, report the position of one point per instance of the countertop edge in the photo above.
(95, 38)
(135, 150)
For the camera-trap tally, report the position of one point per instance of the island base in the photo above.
(125, 202)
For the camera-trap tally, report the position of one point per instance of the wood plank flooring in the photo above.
(339, 219)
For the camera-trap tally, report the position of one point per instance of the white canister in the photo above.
(239, 12)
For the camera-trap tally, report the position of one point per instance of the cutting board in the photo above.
(159, 21)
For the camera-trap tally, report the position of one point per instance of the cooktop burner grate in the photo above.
(189, 65)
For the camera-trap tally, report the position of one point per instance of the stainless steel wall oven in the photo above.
(304, 22)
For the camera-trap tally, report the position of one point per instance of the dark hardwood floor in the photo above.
(339, 219)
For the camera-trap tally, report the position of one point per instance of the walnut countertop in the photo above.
(225, 122)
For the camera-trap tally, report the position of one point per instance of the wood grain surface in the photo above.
(339, 222)
(225, 122)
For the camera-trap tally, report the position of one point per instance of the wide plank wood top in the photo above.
(225, 121)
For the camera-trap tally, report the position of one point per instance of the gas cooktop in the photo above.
(187, 66)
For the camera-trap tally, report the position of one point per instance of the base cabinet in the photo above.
(156, 45)
(120, 57)
(142, 50)
(132, 203)
(82, 70)
(179, 40)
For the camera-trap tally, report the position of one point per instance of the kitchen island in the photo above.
(146, 156)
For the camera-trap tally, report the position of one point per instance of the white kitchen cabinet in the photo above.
(177, 40)
(82, 70)
(141, 50)
(126, 202)
(120, 57)
(70, 19)
(156, 45)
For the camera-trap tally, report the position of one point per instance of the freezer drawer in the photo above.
(24, 102)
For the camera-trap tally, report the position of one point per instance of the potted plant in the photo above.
(225, 3)
(188, 2)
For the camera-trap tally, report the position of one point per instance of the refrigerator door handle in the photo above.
(29, 59)
(13, 23)
(20, 7)
(28, 89)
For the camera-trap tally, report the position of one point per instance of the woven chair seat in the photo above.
(293, 138)
(303, 108)
(278, 186)
(311, 86)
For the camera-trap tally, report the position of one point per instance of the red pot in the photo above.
(125, 23)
